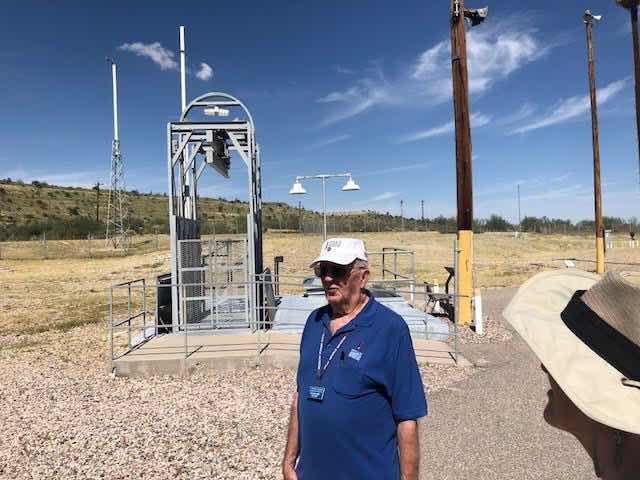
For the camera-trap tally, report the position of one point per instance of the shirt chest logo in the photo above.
(355, 354)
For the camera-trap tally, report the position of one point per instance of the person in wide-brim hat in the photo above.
(586, 332)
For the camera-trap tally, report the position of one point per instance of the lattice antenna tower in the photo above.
(117, 214)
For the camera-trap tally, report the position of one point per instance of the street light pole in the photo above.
(633, 10)
(298, 189)
(324, 207)
(519, 212)
(597, 190)
(632, 6)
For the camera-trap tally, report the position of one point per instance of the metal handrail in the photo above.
(131, 316)
(402, 284)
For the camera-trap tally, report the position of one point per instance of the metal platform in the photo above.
(169, 355)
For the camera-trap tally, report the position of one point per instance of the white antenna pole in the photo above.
(183, 80)
(114, 75)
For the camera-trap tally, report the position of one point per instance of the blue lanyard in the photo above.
(321, 370)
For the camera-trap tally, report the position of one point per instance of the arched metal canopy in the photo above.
(192, 144)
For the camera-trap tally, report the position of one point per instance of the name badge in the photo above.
(316, 393)
(355, 354)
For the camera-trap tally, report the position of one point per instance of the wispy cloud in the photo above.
(329, 141)
(524, 112)
(369, 91)
(477, 120)
(399, 168)
(165, 58)
(344, 70)
(159, 55)
(562, 192)
(495, 51)
(205, 72)
(531, 184)
(383, 197)
(572, 108)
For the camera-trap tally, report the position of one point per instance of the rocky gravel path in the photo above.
(63, 416)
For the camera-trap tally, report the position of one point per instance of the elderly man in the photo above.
(359, 388)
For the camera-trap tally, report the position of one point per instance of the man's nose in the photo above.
(326, 277)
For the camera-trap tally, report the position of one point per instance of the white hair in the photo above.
(359, 263)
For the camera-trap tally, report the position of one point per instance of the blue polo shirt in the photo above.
(372, 383)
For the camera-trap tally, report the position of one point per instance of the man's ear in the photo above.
(365, 278)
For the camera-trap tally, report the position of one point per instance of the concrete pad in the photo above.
(165, 354)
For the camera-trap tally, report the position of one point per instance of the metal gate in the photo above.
(213, 284)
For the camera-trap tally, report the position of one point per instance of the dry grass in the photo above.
(500, 259)
(68, 289)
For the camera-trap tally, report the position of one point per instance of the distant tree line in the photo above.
(79, 227)
(557, 225)
(229, 216)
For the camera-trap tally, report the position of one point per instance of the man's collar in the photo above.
(364, 318)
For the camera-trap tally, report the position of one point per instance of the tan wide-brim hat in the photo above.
(538, 312)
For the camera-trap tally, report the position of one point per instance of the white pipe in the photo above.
(188, 203)
(183, 80)
(324, 209)
(114, 75)
(478, 320)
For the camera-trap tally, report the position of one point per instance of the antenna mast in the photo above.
(117, 214)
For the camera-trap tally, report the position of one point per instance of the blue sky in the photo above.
(333, 86)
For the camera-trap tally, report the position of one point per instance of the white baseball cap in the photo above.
(342, 251)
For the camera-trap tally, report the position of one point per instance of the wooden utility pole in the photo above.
(633, 10)
(589, 19)
(460, 78)
(422, 211)
(632, 6)
(402, 214)
(98, 202)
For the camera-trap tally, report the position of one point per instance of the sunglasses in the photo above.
(331, 269)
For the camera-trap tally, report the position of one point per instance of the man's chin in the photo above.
(549, 414)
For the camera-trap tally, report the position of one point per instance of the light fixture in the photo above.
(588, 17)
(350, 186)
(476, 15)
(297, 188)
(216, 111)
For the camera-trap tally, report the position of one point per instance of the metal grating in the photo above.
(213, 278)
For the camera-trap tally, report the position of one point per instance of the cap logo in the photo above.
(331, 244)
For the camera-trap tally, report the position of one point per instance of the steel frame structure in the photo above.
(188, 142)
(117, 215)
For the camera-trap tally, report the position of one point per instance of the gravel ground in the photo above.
(495, 329)
(63, 416)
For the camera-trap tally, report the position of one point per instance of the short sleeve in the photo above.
(408, 401)
(304, 331)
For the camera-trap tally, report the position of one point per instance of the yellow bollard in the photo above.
(465, 276)
(599, 255)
